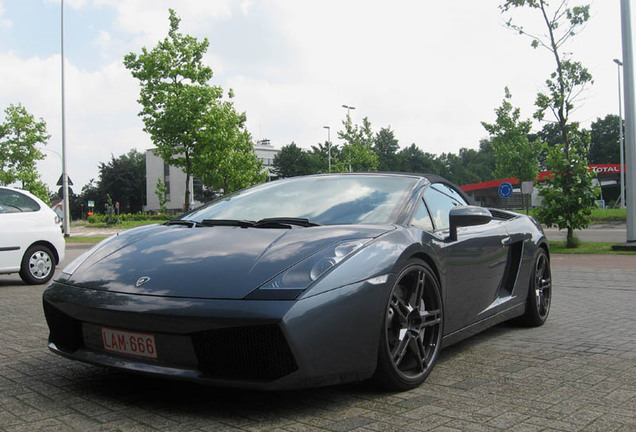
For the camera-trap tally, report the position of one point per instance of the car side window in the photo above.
(15, 202)
(422, 219)
(440, 199)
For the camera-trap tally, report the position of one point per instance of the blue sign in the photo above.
(505, 190)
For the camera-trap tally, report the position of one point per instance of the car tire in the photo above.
(38, 265)
(539, 291)
(411, 333)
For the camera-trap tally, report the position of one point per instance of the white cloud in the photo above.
(245, 6)
(429, 71)
(103, 40)
(101, 111)
(149, 20)
(4, 22)
(75, 4)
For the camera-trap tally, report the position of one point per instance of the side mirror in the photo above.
(462, 216)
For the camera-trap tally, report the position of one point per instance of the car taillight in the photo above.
(57, 220)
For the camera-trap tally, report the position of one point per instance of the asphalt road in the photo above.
(577, 372)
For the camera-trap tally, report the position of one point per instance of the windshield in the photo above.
(324, 200)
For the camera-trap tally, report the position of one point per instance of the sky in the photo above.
(431, 71)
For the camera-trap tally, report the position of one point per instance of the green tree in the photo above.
(454, 169)
(604, 140)
(515, 155)
(318, 157)
(482, 164)
(91, 192)
(20, 134)
(123, 178)
(77, 206)
(568, 201)
(412, 159)
(475, 165)
(550, 135)
(186, 117)
(571, 177)
(226, 159)
(229, 163)
(292, 161)
(160, 191)
(386, 147)
(357, 154)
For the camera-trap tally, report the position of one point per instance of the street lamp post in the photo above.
(328, 144)
(629, 90)
(348, 108)
(620, 128)
(65, 222)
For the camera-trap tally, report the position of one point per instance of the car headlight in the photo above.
(290, 283)
(68, 271)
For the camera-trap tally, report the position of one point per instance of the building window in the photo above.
(166, 179)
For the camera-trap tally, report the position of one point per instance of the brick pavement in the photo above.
(578, 372)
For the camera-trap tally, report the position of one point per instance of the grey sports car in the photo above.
(301, 282)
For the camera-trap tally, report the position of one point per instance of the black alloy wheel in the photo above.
(412, 331)
(539, 291)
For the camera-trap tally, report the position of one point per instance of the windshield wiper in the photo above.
(276, 222)
(190, 223)
(228, 222)
(284, 222)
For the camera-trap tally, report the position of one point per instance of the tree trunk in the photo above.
(570, 242)
(186, 206)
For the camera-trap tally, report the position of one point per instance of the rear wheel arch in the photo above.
(539, 295)
(48, 245)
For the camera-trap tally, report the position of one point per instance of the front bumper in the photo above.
(321, 340)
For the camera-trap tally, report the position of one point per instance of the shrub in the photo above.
(113, 219)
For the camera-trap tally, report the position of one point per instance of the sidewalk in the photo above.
(88, 231)
(608, 233)
(575, 373)
(601, 261)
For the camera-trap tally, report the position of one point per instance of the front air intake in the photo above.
(65, 332)
(254, 353)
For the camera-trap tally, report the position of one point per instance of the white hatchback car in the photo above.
(31, 241)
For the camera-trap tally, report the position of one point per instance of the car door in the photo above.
(19, 222)
(474, 263)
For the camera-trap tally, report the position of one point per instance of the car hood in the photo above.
(204, 262)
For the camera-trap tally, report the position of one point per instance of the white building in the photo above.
(265, 152)
(174, 178)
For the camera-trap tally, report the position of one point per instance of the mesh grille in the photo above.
(497, 214)
(65, 332)
(258, 353)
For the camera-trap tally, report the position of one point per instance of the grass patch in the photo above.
(597, 216)
(84, 239)
(587, 248)
(124, 225)
(608, 215)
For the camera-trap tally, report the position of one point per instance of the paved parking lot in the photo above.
(578, 372)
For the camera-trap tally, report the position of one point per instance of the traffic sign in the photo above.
(527, 187)
(505, 190)
(68, 179)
